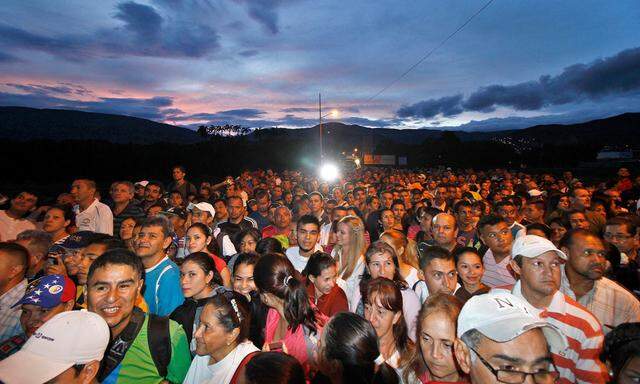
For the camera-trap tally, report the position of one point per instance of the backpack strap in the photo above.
(244, 362)
(159, 339)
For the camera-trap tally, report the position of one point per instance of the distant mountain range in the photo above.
(23, 124)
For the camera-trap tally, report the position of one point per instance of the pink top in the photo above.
(294, 341)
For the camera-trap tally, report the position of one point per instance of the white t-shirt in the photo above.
(200, 372)
(10, 228)
(299, 262)
(96, 218)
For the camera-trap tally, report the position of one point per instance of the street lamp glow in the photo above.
(328, 172)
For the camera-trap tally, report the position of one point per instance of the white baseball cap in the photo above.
(534, 246)
(204, 206)
(67, 339)
(501, 317)
(143, 183)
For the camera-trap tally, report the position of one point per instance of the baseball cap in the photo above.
(175, 211)
(501, 317)
(535, 193)
(78, 240)
(67, 339)
(203, 206)
(49, 291)
(534, 246)
(142, 183)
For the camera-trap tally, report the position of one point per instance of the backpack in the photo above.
(159, 338)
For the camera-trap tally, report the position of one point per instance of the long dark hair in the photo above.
(274, 368)
(232, 311)
(212, 247)
(275, 274)
(348, 340)
(205, 262)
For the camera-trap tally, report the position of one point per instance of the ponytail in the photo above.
(275, 274)
(297, 309)
(385, 374)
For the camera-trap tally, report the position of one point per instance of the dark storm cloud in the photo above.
(264, 12)
(151, 108)
(61, 88)
(145, 32)
(232, 114)
(140, 19)
(445, 106)
(611, 76)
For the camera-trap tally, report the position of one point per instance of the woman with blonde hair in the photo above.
(407, 252)
(349, 253)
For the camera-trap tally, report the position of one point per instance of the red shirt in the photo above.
(220, 264)
(333, 302)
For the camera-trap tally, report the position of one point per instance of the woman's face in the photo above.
(557, 232)
(54, 221)
(388, 220)
(380, 317)
(243, 280)
(193, 280)
(563, 203)
(211, 336)
(436, 345)
(631, 371)
(343, 235)
(126, 229)
(248, 244)
(197, 241)
(470, 268)
(381, 265)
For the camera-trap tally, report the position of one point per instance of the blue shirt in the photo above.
(163, 293)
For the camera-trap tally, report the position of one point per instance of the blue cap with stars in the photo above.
(49, 291)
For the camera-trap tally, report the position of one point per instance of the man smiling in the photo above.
(162, 276)
(143, 348)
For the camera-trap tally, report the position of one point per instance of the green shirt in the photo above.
(138, 367)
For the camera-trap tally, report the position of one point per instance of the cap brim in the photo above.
(509, 329)
(25, 367)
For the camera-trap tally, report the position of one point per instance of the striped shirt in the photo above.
(609, 302)
(579, 363)
(10, 317)
(496, 274)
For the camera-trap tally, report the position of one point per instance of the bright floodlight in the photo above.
(328, 172)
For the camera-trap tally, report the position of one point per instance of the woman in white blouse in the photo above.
(221, 339)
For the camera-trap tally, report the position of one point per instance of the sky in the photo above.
(263, 63)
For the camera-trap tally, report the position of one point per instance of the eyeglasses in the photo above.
(518, 377)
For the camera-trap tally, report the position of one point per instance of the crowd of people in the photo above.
(381, 276)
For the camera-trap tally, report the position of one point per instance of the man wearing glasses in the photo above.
(583, 281)
(537, 262)
(502, 340)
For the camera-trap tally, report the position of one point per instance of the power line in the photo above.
(443, 42)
